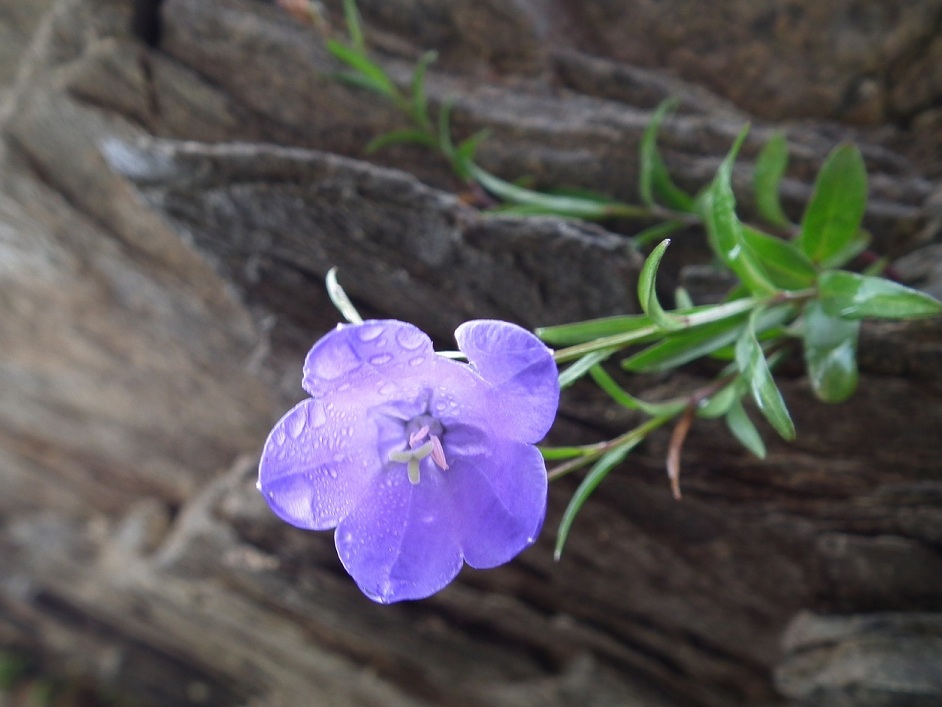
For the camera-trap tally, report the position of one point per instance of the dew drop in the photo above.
(410, 339)
(369, 332)
(318, 416)
(380, 359)
(343, 387)
(387, 388)
(280, 437)
(332, 473)
(417, 361)
(296, 425)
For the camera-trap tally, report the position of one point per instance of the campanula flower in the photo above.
(420, 462)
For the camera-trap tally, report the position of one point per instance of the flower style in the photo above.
(419, 461)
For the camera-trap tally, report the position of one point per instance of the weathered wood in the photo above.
(166, 218)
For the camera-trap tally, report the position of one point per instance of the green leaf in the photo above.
(724, 230)
(770, 167)
(582, 366)
(465, 151)
(626, 399)
(851, 296)
(399, 137)
(560, 453)
(856, 246)
(647, 290)
(654, 177)
(750, 359)
(419, 100)
(582, 332)
(655, 233)
(837, 205)
(684, 346)
(682, 299)
(743, 429)
(596, 474)
(352, 17)
(373, 76)
(786, 266)
(720, 402)
(830, 348)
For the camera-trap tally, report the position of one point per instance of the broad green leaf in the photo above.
(743, 429)
(375, 77)
(684, 346)
(767, 178)
(647, 289)
(626, 399)
(654, 178)
(750, 359)
(399, 137)
(724, 230)
(581, 332)
(830, 348)
(582, 366)
(787, 267)
(851, 296)
(837, 205)
(596, 474)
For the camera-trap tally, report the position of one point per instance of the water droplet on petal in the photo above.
(280, 437)
(380, 359)
(387, 388)
(295, 425)
(417, 361)
(317, 416)
(368, 332)
(343, 387)
(410, 339)
(332, 473)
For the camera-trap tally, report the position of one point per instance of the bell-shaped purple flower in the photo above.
(419, 461)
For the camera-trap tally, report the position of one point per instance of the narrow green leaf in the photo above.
(648, 155)
(654, 178)
(720, 402)
(465, 152)
(787, 267)
(656, 232)
(647, 290)
(684, 346)
(419, 100)
(750, 359)
(767, 178)
(682, 299)
(856, 246)
(743, 429)
(582, 366)
(851, 296)
(352, 18)
(373, 75)
(561, 453)
(626, 399)
(837, 205)
(596, 474)
(724, 230)
(400, 137)
(830, 348)
(581, 332)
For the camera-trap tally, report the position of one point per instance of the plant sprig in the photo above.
(791, 290)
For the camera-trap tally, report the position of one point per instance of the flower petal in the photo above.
(401, 541)
(522, 372)
(317, 462)
(372, 361)
(500, 497)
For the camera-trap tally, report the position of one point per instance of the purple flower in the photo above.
(420, 462)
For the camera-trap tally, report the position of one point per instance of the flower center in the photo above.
(424, 438)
